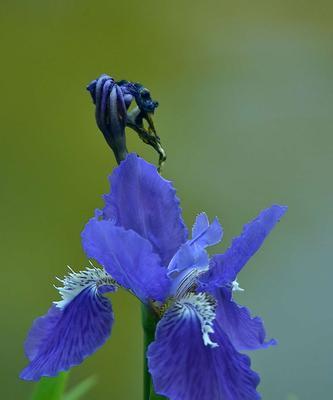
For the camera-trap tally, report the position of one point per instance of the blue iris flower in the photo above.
(140, 240)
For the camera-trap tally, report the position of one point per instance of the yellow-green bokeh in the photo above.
(246, 93)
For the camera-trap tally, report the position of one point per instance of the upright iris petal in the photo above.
(142, 200)
(73, 328)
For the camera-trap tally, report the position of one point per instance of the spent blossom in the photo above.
(113, 100)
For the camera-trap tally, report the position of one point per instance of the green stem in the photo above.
(154, 396)
(149, 321)
(51, 388)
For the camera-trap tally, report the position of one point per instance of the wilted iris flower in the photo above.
(112, 100)
(140, 240)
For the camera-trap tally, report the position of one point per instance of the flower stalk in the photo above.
(149, 321)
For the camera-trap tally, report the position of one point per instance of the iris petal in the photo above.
(205, 234)
(188, 257)
(225, 267)
(192, 254)
(64, 337)
(184, 368)
(127, 257)
(143, 201)
(244, 331)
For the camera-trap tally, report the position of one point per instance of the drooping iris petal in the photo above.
(184, 368)
(244, 331)
(142, 200)
(205, 234)
(127, 257)
(225, 267)
(64, 337)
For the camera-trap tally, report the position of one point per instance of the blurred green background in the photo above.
(246, 93)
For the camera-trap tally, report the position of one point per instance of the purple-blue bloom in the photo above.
(141, 241)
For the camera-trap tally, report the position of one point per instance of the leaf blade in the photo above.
(81, 389)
